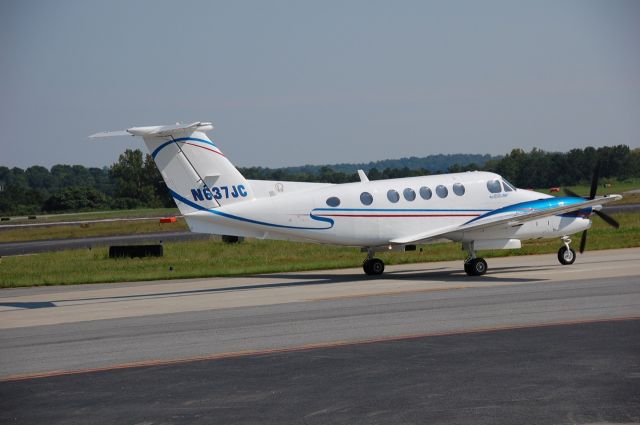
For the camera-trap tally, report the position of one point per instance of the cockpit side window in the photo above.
(494, 186)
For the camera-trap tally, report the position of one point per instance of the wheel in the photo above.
(566, 256)
(467, 268)
(475, 267)
(366, 266)
(377, 266)
(373, 266)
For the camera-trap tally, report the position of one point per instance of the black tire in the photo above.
(467, 268)
(377, 266)
(373, 266)
(475, 267)
(566, 256)
(366, 266)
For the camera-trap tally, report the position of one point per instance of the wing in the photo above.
(512, 215)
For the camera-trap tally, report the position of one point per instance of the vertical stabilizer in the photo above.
(197, 173)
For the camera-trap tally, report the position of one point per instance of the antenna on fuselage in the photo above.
(363, 176)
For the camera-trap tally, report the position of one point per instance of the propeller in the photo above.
(583, 241)
(592, 194)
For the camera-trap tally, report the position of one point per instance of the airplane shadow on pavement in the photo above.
(305, 279)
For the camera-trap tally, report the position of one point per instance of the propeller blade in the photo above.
(594, 181)
(571, 193)
(606, 217)
(583, 241)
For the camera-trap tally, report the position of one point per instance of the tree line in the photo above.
(132, 182)
(135, 182)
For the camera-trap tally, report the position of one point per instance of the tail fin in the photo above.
(196, 172)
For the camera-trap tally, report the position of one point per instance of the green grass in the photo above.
(214, 258)
(615, 187)
(89, 230)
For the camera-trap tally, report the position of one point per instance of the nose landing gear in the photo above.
(566, 254)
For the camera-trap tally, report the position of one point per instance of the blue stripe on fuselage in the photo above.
(538, 205)
(248, 220)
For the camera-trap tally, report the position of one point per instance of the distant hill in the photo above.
(433, 163)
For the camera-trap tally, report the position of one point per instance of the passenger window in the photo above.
(425, 193)
(442, 191)
(409, 194)
(333, 201)
(366, 198)
(393, 196)
(458, 189)
(494, 186)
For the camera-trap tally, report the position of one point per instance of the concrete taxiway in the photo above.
(184, 330)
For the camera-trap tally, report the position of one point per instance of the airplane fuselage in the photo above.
(374, 213)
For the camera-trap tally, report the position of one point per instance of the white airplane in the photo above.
(480, 210)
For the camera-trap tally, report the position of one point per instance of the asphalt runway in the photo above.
(583, 373)
(424, 343)
(50, 245)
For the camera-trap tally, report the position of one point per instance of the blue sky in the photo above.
(296, 82)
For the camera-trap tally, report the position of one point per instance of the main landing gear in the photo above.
(566, 254)
(373, 266)
(473, 266)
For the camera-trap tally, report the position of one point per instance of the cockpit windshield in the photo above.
(508, 187)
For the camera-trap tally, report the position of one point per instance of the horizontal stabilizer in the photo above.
(169, 130)
(158, 130)
(110, 134)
